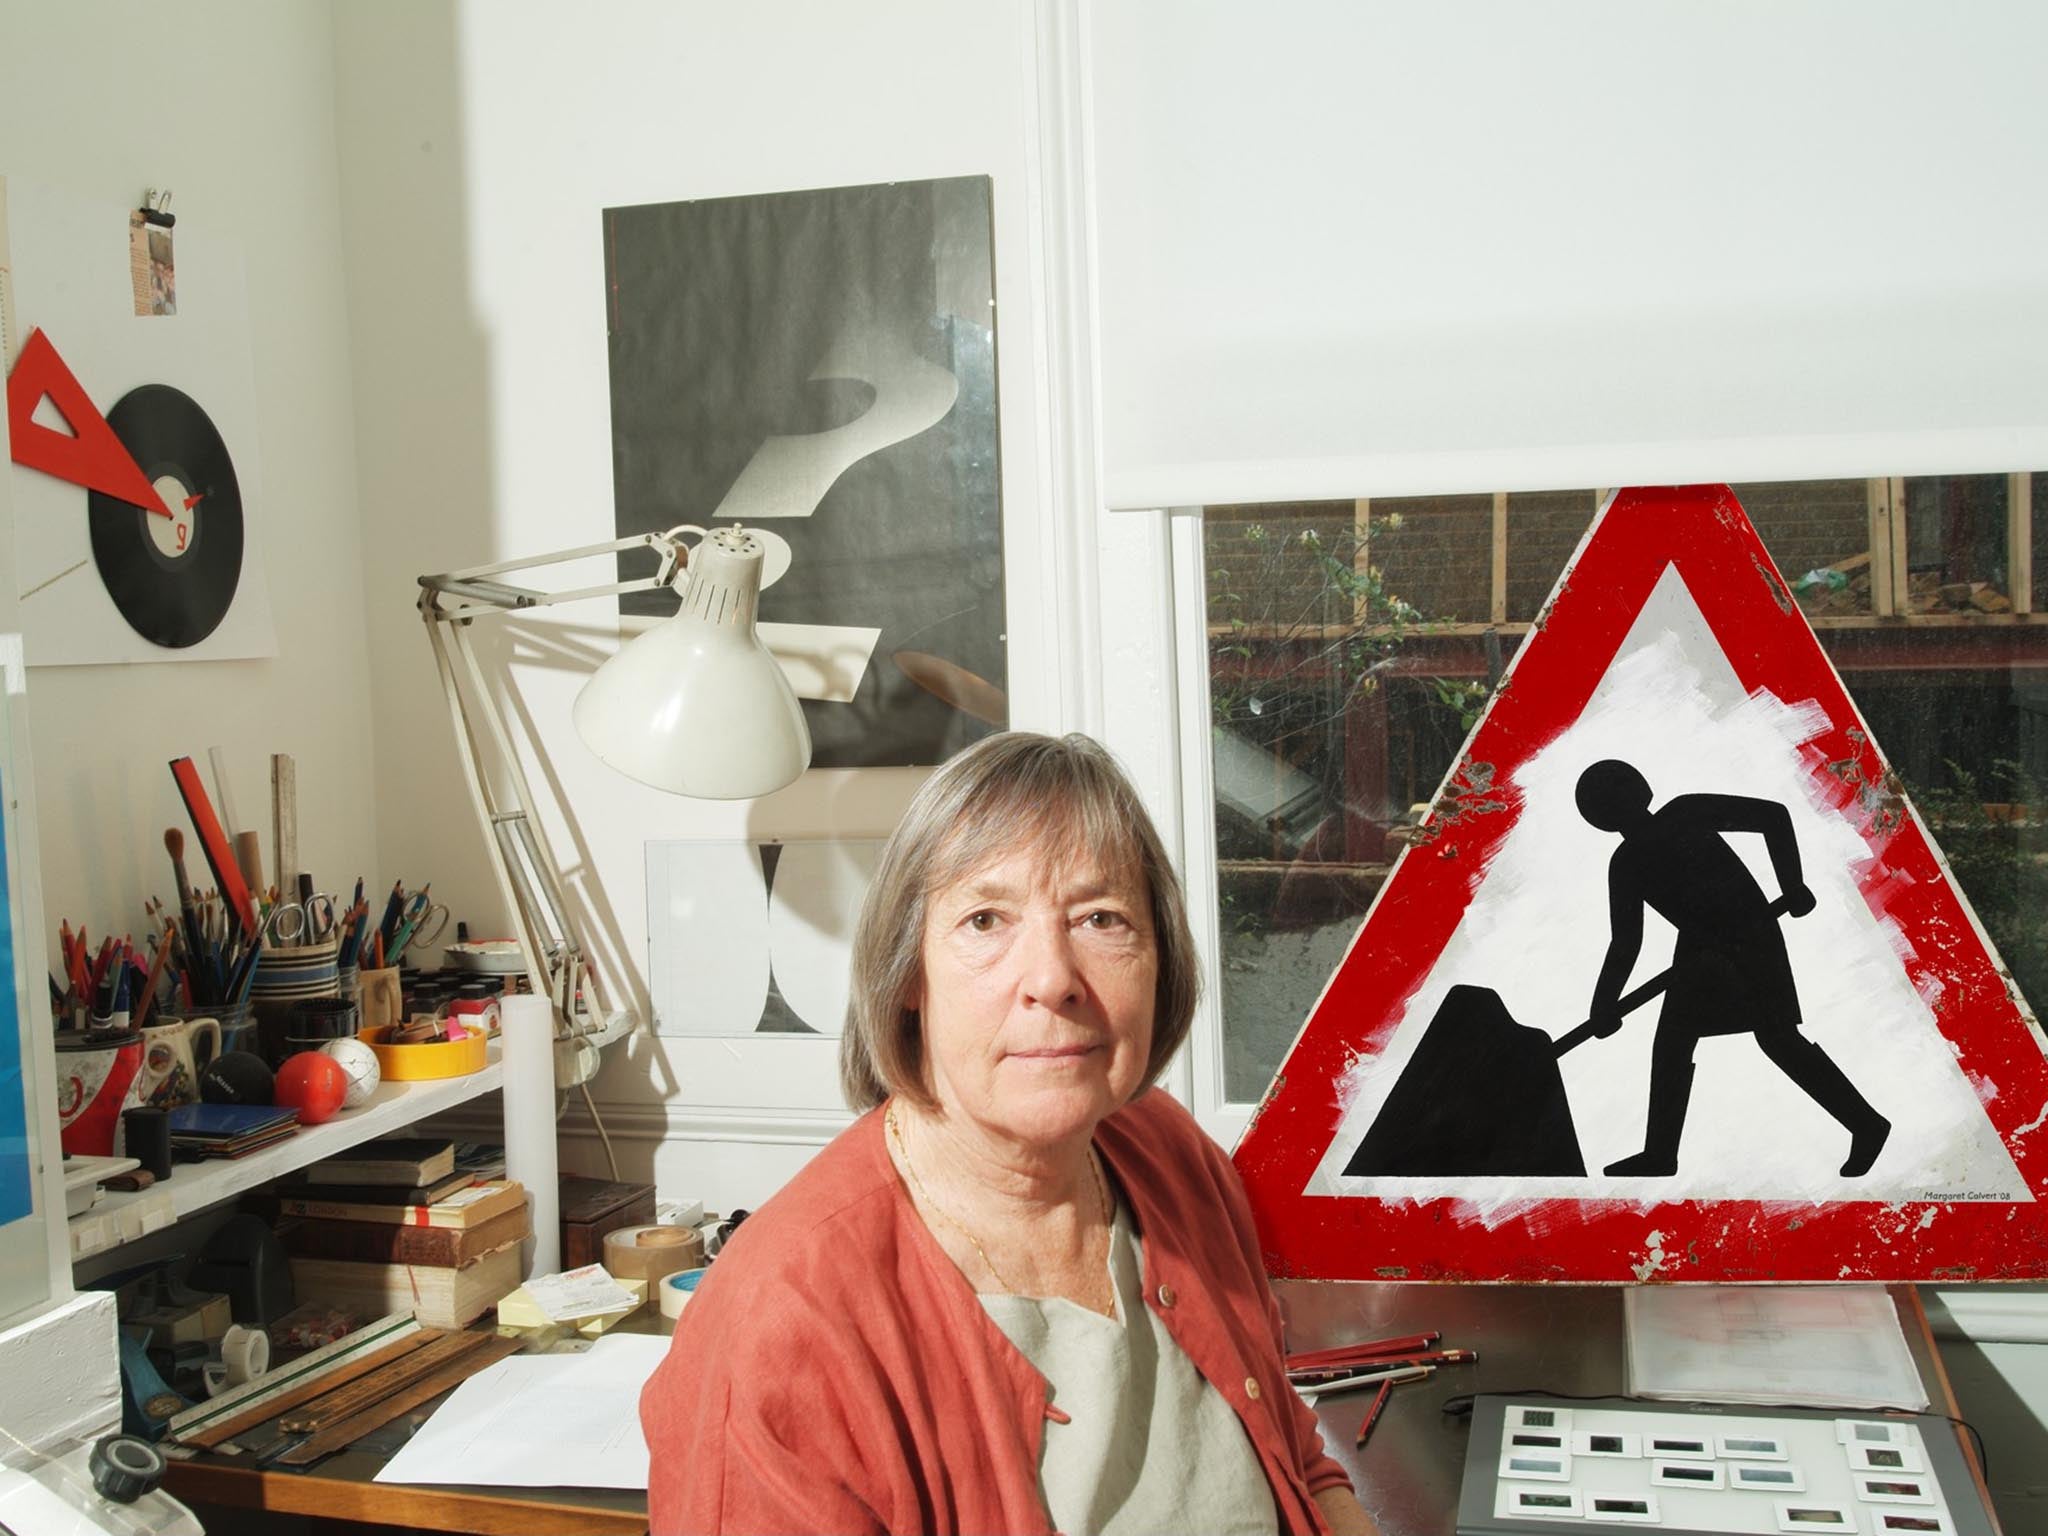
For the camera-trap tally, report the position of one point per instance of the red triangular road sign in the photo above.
(1829, 1076)
(89, 454)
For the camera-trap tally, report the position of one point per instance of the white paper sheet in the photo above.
(1820, 1344)
(541, 1421)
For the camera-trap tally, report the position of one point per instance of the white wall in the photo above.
(229, 103)
(479, 144)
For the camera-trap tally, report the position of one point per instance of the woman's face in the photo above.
(1040, 980)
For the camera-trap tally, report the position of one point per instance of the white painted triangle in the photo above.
(1537, 929)
(49, 417)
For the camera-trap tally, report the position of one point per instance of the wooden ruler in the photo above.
(284, 818)
(353, 1398)
(495, 1348)
(213, 1435)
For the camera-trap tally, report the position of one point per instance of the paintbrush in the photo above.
(174, 845)
(156, 971)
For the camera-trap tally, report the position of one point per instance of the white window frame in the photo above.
(1185, 791)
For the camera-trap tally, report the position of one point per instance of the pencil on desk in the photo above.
(1379, 1401)
(1343, 1354)
(1309, 1393)
(1310, 1376)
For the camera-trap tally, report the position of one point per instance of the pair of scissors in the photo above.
(422, 923)
(312, 921)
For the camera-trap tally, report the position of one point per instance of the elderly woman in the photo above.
(1022, 1292)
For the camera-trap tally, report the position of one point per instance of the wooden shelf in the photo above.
(193, 1187)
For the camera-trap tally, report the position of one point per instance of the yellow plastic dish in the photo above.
(436, 1058)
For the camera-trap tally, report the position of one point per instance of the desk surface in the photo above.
(1559, 1338)
(341, 1488)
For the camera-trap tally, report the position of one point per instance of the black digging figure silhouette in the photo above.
(1729, 971)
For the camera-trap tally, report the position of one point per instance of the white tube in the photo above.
(526, 1027)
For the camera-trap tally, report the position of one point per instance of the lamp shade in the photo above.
(697, 705)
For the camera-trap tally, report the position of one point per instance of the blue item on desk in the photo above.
(147, 1402)
(226, 1121)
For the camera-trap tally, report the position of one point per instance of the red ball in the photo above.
(313, 1084)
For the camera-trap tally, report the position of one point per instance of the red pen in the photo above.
(1379, 1401)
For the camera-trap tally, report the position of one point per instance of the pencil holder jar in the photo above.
(381, 996)
(237, 1022)
(304, 970)
(284, 977)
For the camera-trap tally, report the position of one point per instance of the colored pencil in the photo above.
(1310, 1377)
(1365, 1379)
(1379, 1401)
(393, 909)
(1337, 1354)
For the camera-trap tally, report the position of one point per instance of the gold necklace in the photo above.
(903, 1152)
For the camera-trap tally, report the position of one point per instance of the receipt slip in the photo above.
(589, 1300)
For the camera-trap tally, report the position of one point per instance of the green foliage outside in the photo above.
(1993, 827)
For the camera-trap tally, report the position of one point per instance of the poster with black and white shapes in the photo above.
(749, 938)
(1673, 985)
(821, 365)
(101, 581)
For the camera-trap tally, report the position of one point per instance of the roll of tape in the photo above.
(244, 1355)
(651, 1253)
(676, 1290)
(245, 1352)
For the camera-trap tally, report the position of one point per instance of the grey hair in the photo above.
(1063, 795)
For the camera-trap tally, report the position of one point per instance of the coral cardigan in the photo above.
(836, 1373)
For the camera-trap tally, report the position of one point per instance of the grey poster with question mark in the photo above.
(820, 365)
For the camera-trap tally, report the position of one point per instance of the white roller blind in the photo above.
(1376, 249)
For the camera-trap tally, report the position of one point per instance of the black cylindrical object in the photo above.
(148, 1132)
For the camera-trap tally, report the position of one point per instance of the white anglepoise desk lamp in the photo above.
(696, 705)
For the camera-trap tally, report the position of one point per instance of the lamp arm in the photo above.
(541, 951)
(528, 876)
(475, 592)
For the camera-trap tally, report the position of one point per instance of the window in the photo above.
(1351, 646)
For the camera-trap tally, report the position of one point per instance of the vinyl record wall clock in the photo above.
(165, 508)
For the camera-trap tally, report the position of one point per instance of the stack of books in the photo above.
(405, 1226)
(230, 1130)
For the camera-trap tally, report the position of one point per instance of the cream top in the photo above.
(1149, 1445)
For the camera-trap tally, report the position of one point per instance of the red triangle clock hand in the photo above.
(89, 455)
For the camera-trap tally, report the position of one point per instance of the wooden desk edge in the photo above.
(496, 1513)
(1946, 1399)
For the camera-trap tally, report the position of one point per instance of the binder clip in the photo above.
(156, 208)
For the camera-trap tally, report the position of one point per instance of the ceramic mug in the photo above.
(94, 1071)
(170, 1063)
